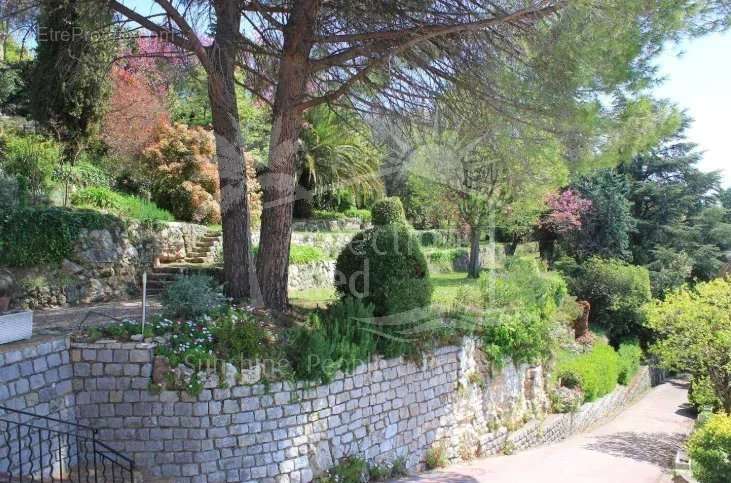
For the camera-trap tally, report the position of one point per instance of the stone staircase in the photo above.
(198, 259)
(204, 250)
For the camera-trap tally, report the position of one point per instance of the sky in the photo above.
(698, 79)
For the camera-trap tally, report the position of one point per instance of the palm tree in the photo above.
(335, 154)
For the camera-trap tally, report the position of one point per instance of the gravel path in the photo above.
(638, 446)
(65, 320)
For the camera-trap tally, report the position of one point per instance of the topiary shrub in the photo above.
(388, 211)
(385, 266)
(709, 448)
(190, 297)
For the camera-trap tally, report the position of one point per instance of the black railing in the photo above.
(45, 449)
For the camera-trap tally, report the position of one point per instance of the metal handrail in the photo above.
(30, 451)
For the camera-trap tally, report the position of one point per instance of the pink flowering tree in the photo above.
(566, 210)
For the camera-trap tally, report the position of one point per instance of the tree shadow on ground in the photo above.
(656, 448)
(441, 477)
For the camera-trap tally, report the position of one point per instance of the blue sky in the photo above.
(698, 79)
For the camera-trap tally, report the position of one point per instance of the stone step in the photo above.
(196, 260)
(198, 255)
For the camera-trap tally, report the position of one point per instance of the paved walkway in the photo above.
(65, 320)
(638, 446)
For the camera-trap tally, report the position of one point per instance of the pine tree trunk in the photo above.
(473, 270)
(279, 186)
(240, 278)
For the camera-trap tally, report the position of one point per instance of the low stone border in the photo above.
(557, 427)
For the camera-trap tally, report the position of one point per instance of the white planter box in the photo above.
(16, 326)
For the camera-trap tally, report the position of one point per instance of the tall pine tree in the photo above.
(75, 50)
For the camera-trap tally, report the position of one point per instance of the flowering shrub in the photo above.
(566, 210)
(185, 176)
(227, 334)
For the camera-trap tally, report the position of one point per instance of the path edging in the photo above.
(557, 427)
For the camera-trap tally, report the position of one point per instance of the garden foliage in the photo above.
(126, 206)
(388, 211)
(338, 339)
(34, 236)
(630, 357)
(596, 372)
(616, 291)
(185, 178)
(702, 395)
(709, 448)
(385, 266)
(693, 334)
(520, 305)
(31, 158)
(191, 296)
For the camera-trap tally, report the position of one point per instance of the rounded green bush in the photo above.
(388, 211)
(190, 297)
(709, 448)
(385, 266)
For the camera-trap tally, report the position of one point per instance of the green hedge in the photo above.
(596, 372)
(34, 236)
(630, 356)
(301, 254)
(362, 215)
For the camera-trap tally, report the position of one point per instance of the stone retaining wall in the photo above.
(311, 275)
(34, 377)
(105, 264)
(351, 224)
(284, 432)
(556, 427)
(385, 410)
(37, 377)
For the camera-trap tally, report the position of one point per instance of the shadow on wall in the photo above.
(656, 448)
